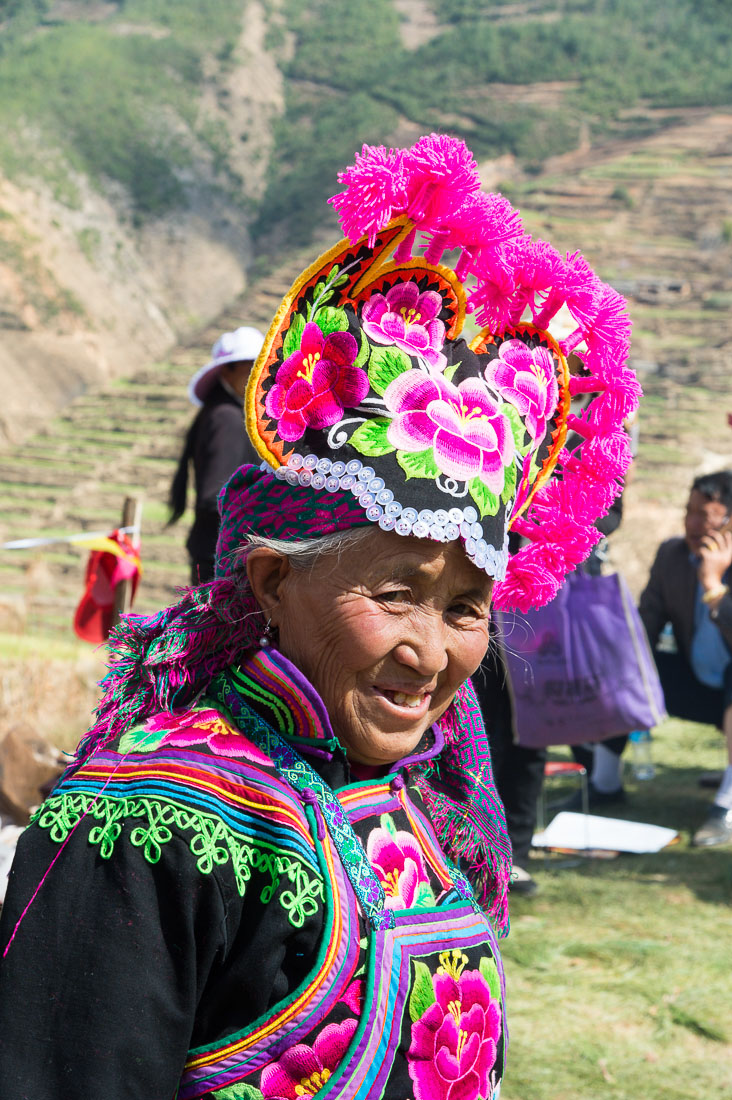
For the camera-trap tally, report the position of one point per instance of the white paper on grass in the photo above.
(580, 831)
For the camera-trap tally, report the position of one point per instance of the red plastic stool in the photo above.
(560, 769)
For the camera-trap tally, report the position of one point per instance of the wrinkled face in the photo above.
(386, 632)
(703, 516)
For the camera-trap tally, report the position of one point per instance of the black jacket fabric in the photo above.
(670, 597)
(172, 894)
(220, 446)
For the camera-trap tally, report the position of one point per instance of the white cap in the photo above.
(241, 346)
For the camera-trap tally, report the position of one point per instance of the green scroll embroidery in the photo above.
(213, 844)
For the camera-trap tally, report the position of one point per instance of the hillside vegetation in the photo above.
(118, 89)
(153, 151)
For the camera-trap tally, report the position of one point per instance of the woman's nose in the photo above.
(425, 649)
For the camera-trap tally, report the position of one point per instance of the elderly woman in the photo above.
(278, 865)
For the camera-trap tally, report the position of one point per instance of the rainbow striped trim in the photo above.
(283, 697)
(254, 805)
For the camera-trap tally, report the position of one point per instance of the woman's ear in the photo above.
(267, 570)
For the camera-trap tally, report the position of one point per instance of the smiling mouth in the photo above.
(404, 699)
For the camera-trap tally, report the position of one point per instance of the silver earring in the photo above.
(265, 640)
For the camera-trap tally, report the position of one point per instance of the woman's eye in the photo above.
(399, 595)
(466, 611)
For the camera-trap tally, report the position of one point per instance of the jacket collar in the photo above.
(289, 703)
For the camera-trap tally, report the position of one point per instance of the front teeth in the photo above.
(403, 700)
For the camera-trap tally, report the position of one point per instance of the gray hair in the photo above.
(305, 554)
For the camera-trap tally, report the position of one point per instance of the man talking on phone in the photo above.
(689, 587)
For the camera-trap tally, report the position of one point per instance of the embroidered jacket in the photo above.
(225, 913)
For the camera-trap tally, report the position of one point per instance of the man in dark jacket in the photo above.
(689, 587)
(216, 442)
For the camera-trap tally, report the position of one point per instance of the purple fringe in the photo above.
(159, 662)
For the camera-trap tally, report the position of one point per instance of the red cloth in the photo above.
(104, 571)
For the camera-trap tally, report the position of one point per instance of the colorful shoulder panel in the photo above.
(191, 774)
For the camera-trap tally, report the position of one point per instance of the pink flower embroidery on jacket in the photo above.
(302, 1070)
(469, 435)
(527, 378)
(316, 383)
(399, 864)
(408, 319)
(455, 1042)
(183, 729)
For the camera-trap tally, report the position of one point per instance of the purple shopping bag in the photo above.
(581, 668)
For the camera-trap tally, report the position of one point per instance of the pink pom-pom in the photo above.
(530, 581)
(582, 290)
(492, 298)
(607, 457)
(608, 338)
(375, 192)
(440, 174)
(619, 398)
(576, 538)
(540, 270)
(484, 220)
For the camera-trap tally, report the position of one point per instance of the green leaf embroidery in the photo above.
(149, 824)
(316, 302)
(449, 371)
(489, 971)
(486, 500)
(335, 278)
(293, 336)
(323, 291)
(370, 438)
(421, 464)
(363, 352)
(424, 897)
(330, 319)
(387, 824)
(238, 1092)
(510, 486)
(140, 740)
(386, 365)
(423, 992)
(518, 429)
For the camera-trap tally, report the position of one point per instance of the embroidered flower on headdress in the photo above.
(527, 378)
(408, 319)
(316, 383)
(469, 435)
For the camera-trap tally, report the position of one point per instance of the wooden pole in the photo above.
(131, 517)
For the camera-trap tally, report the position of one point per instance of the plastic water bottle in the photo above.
(640, 755)
(667, 640)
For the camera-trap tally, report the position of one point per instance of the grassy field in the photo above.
(618, 970)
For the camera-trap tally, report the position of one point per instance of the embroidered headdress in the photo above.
(365, 387)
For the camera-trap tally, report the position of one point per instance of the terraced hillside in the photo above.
(653, 217)
(110, 443)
